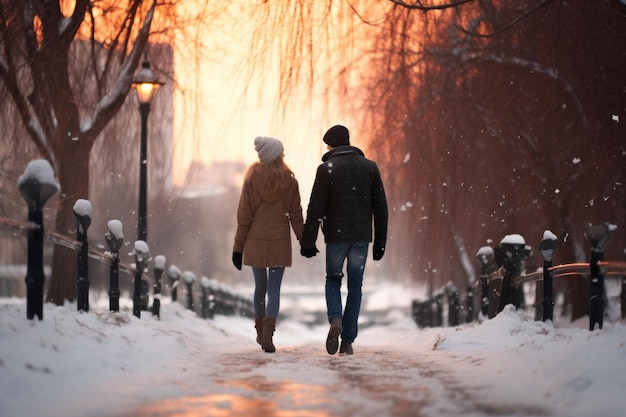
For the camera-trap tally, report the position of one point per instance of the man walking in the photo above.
(347, 194)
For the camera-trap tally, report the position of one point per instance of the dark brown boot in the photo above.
(332, 341)
(258, 325)
(346, 348)
(269, 324)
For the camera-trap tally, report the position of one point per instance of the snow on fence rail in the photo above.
(215, 297)
(501, 282)
(37, 185)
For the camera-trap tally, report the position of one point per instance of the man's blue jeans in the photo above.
(356, 255)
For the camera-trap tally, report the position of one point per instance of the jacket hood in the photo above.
(342, 151)
(264, 190)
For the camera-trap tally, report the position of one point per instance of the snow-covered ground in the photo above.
(104, 364)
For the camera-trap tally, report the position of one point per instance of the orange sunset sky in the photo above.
(227, 120)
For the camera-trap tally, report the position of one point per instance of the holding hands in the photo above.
(308, 252)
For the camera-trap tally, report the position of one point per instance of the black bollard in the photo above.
(36, 185)
(509, 255)
(142, 254)
(189, 278)
(212, 298)
(173, 273)
(219, 301)
(454, 307)
(205, 284)
(547, 247)
(82, 221)
(159, 267)
(485, 257)
(469, 305)
(437, 306)
(598, 236)
(114, 239)
(145, 295)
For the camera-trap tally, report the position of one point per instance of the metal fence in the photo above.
(214, 297)
(501, 283)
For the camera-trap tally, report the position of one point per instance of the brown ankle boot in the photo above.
(332, 340)
(269, 324)
(258, 325)
(346, 348)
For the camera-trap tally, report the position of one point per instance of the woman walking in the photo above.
(269, 204)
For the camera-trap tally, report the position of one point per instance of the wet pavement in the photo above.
(372, 382)
(306, 382)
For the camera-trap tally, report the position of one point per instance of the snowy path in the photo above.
(102, 364)
(375, 382)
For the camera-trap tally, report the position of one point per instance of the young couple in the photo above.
(347, 195)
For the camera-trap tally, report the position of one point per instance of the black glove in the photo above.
(308, 252)
(379, 251)
(237, 258)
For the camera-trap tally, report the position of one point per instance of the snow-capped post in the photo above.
(509, 255)
(469, 304)
(437, 306)
(173, 273)
(220, 300)
(205, 284)
(159, 267)
(598, 236)
(454, 307)
(142, 256)
(189, 278)
(114, 238)
(145, 295)
(485, 256)
(82, 221)
(547, 247)
(37, 185)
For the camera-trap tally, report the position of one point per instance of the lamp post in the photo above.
(145, 84)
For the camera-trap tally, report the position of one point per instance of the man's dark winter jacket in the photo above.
(347, 193)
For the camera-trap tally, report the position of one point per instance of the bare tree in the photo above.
(66, 69)
(503, 110)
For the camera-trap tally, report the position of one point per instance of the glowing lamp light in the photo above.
(145, 84)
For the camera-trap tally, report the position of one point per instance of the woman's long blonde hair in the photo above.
(273, 177)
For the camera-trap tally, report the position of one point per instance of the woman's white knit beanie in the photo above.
(269, 149)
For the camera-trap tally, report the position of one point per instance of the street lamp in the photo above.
(145, 84)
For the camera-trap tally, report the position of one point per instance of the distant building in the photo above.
(206, 180)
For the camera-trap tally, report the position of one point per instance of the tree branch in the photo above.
(8, 74)
(109, 104)
(542, 4)
(419, 6)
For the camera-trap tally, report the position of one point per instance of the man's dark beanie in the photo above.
(337, 136)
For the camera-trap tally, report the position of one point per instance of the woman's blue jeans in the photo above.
(356, 255)
(267, 283)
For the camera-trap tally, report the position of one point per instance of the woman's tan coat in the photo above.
(263, 232)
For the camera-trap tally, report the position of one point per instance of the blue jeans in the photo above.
(269, 284)
(356, 255)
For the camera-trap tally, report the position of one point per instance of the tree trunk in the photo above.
(74, 181)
